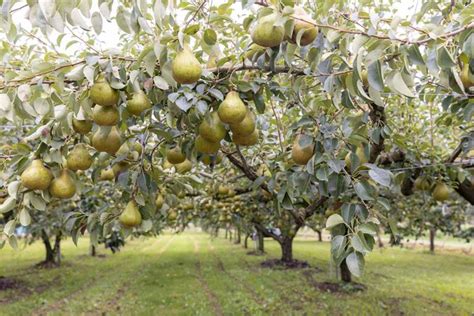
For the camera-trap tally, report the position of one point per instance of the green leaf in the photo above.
(7, 205)
(445, 60)
(9, 228)
(210, 37)
(363, 190)
(25, 218)
(161, 83)
(355, 262)
(334, 220)
(338, 246)
(414, 56)
(359, 244)
(381, 176)
(96, 21)
(396, 83)
(374, 72)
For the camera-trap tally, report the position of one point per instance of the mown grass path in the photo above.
(193, 274)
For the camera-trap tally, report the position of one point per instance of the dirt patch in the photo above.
(10, 283)
(255, 253)
(333, 287)
(46, 265)
(278, 264)
(216, 306)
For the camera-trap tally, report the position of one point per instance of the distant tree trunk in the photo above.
(432, 239)
(320, 235)
(286, 245)
(216, 232)
(92, 250)
(237, 236)
(260, 242)
(49, 249)
(230, 235)
(379, 240)
(226, 233)
(345, 273)
(247, 235)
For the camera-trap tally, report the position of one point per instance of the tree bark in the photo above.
(379, 240)
(432, 239)
(230, 235)
(226, 233)
(260, 242)
(237, 236)
(92, 250)
(286, 245)
(345, 273)
(246, 240)
(320, 235)
(57, 248)
(47, 245)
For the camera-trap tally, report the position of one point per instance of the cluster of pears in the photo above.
(37, 177)
(439, 191)
(176, 157)
(186, 69)
(268, 32)
(302, 150)
(241, 120)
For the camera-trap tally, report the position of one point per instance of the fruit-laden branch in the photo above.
(377, 36)
(266, 232)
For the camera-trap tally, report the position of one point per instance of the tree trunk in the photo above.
(286, 244)
(246, 240)
(320, 235)
(345, 273)
(237, 236)
(226, 233)
(57, 248)
(230, 235)
(260, 243)
(379, 240)
(92, 250)
(47, 245)
(432, 239)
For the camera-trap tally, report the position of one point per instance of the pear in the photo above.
(364, 76)
(81, 126)
(79, 158)
(120, 167)
(245, 140)
(175, 155)
(441, 192)
(102, 93)
(212, 129)
(185, 67)
(466, 77)
(160, 200)
(232, 110)
(360, 153)
(167, 164)
(36, 176)
(63, 187)
(202, 145)
(266, 33)
(107, 140)
(304, 24)
(105, 115)
(172, 215)
(138, 103)
(107, 175)
(184, 167)
(302, 154)
(422, 184)
(246, 126)
(223, 189)
(131, 216)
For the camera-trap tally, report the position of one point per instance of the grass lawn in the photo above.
(191, 273)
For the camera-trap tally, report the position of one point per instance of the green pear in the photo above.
(160, 200)
(105, 115)
(36, 176)
(102, 93)
(131, 216)
(266, 33)
(184, 167)
(107, 175)
(441, 192)
(466, 77)
(305, 24)
(63, 187)
(232, 110)
(107, 140)
(138, 103)
(202, 145)
(246, 126)
(79, 158)
(212, 129)
(175, 155)
(301, 154)
(246, 140)
(81, 126)
(185, 67)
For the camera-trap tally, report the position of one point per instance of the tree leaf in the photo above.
(396, 83)
(25, 218)
(381, 176)
(210, 37)
(374, 74)
(363, 190)
(96, 21)
(355, 262)
(334, 220)
(161, 83)
(445, 60)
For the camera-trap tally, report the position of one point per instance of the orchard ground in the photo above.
(191, 273)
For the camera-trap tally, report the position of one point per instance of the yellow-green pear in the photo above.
(466, 77)
(105, 115)
(138, 103)
(422, 184)
(302, 154)
(81, 126)
(130, 216)
(212, 129)
(107, 140)
(246, 126)
(36, 176)
(103, 94)
(254, 51)
(185, 67)
(202, 145)
(79, 158)
(360, 153)
(441, 192)
(175, 155)
(266, 33)
(160, 200)
(232, 110)
(305, 24)
(63, 187)
(246, 140)
(107, 175)
(184, 167)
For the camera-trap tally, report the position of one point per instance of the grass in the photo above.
(191, 273)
